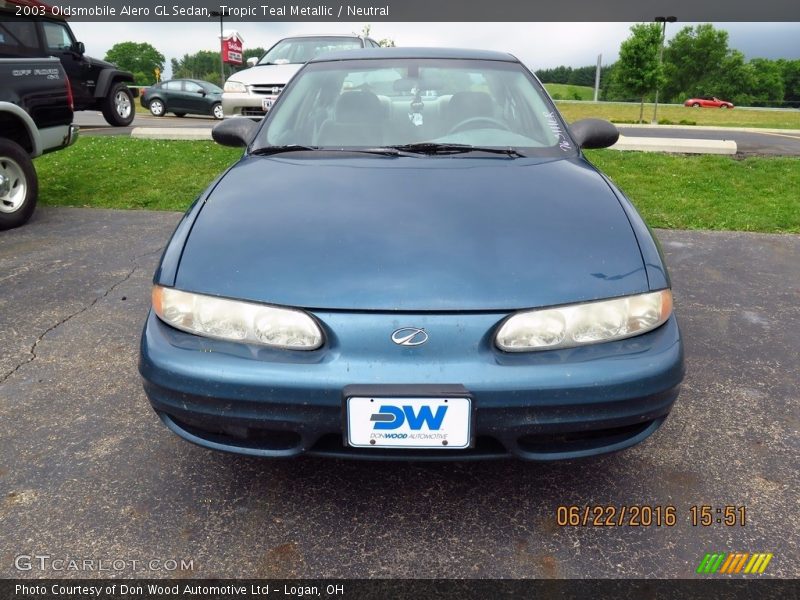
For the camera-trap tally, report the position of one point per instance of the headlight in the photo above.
(237, 321)
(588, 323)
(235, 86)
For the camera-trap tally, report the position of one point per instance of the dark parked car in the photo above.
(182, 97)
(708, 102)
(432, 272)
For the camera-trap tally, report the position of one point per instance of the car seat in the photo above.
(359, 120)
(468, 105)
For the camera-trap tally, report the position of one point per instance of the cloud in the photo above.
(538, 45)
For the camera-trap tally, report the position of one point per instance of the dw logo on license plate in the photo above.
(442, 423)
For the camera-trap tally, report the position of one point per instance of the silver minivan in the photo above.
(251, 92)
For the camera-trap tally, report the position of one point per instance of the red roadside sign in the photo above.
(232, 46)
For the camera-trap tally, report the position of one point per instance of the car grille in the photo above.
(332, 445)
(544, 443)
(279, 441)
(267, 89)
(249, 111)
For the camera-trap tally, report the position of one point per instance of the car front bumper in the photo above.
(56, 138)
(540, 406)
(242, 104)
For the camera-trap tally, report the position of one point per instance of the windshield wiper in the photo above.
(267, 150)
(435, 148)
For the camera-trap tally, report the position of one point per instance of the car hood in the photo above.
(96, 62)
(412, 234)
(267, 74)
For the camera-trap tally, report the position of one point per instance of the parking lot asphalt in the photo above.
(87, 471)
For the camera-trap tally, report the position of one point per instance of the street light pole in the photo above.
(663, 21)
(219, 13)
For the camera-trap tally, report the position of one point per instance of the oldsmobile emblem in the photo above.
(409, 336)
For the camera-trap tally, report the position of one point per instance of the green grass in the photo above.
(560, 91)
(629, 113)
(708, 192)
(671, 191)
(118, 172)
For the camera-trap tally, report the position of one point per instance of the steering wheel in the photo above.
(476, 123)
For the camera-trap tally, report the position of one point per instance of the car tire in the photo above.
(157, 108)
(19, 186)
(723, 106)
(181, 114)
(696, 105)
(217, 112)
(118, 107)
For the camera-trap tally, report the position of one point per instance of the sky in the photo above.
(538, 45)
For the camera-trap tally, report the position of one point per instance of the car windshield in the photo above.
(302, 50)
(416, 105)
(212, 89)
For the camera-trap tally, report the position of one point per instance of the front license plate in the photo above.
(374, 422)
(266, 103)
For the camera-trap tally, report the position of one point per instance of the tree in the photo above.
(576, 76)
(560, 74)
(698, 62)
(791, 81)
(584, 75)
(606, 85)
(767, 87)
(257, 52)
(200, 65)
(693, 59)
(384, 43)
(733, 80)
(204, 65)
(140, 59)
(638, 72)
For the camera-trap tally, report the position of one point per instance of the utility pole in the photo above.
(663, 21)
(219, 13)
(597, 77)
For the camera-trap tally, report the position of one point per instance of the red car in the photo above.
(708, 102)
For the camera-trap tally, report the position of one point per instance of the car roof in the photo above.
(198, 81)
(449, 53)
(354, 36)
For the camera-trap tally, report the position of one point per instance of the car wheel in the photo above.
(217, 111)
(696, 105)
(723, 106)
(156, 108)
(118, 106)
(181, 114)
(19, 187)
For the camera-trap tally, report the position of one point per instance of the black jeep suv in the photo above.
(96, 84)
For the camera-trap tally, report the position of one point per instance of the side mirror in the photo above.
(236, 132)
(78, 48)
(594, 133)
(202, 92)
(252, 61)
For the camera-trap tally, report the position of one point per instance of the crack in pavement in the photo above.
(32, 351)
(148, 253)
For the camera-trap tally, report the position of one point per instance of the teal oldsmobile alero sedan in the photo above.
(413, 259)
